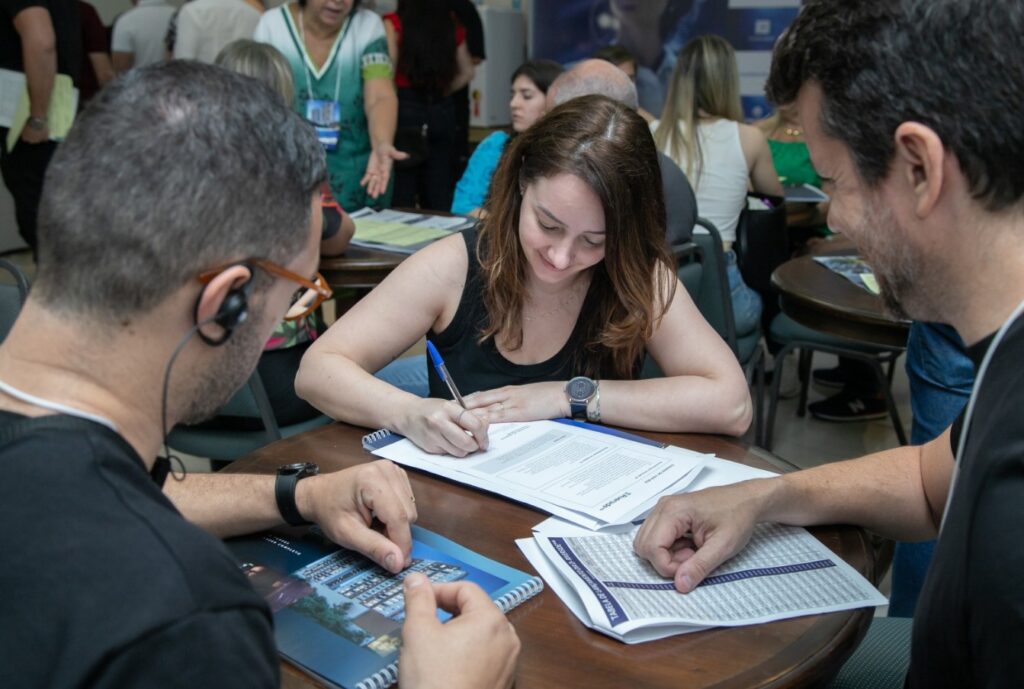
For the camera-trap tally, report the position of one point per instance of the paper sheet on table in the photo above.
(853, 268)
(871, 282)
(590, 477)
(783, 572)
(395, 233)
(14, 106)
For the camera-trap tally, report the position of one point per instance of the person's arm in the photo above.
(344, 504)
(477, 648)
(122, 62)
(392, 37)
(103, 68)
(381, 107)
(94, 40)
(337, 243)
(703, 390)
(336, 374)
(899, 493)
(122, 52)
(465, 68)
(39, 55)
(763, 177)
(471, 189)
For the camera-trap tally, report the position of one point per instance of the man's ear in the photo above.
(222, 304)
(920, 157)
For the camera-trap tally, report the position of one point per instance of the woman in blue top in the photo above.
(529, 85)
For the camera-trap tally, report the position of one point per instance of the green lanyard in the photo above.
(307, 60)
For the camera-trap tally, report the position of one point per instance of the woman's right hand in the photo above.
(443, 427)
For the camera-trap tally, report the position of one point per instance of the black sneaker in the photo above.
(849, 407)
(834, 378)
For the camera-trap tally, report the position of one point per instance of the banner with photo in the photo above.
(654, 31)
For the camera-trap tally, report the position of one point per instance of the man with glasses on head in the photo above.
(180, 221)
(911, 110)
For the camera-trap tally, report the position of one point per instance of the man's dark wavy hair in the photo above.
(948, 64)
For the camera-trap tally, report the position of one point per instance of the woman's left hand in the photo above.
(532, 402)
(378, 169)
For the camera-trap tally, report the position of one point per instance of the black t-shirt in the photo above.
(478, 366)
(969, 623)
(105, 584)
(66, 28)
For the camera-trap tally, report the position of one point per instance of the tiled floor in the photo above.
(808, 442)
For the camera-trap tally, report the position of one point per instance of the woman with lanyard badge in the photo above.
(343, 79)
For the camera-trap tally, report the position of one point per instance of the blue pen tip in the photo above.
(435, 356)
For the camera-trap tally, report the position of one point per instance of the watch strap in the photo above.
(284, 493)
(578, 409)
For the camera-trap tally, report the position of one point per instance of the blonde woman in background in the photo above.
(290, 339)
(701, 129)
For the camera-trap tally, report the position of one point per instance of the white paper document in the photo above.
(783, 572)
(587, 477)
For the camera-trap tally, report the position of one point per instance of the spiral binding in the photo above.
(523, 592)
(382, 679)
(371, 441)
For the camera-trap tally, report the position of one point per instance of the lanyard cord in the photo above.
(970, 406)
(55, 406)
(307, 60)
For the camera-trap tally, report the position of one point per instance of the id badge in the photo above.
(326, 117)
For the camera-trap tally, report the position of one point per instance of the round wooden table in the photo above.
(557, 650)
(359, 267)
(820, 299)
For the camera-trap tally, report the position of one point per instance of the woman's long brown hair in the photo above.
(609, 147)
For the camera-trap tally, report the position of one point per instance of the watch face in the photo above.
(307, 468)
(580, 388)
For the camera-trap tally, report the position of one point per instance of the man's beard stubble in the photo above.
(210, 390)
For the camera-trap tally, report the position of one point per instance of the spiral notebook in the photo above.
(338, 616)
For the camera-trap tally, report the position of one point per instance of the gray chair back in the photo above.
(12, 296)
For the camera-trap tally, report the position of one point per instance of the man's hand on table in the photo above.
(687, 536)
(345, 502)
(476, 649)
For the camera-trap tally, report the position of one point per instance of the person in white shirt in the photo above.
(701, 129)
(206, 26)
(138, 38)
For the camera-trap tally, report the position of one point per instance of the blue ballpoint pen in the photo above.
(442, 372)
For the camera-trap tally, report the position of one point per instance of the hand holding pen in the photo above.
(470, 423)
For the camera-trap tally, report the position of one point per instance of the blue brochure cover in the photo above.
(338, 616)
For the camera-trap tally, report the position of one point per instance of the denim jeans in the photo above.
(408, 373)
(746, 303)
(941, 377)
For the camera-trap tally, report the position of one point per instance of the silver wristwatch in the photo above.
(584, 399)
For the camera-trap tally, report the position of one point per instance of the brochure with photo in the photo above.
(338, 616)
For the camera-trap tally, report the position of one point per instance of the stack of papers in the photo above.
(783, 572)
(403, 232)
(590, 478)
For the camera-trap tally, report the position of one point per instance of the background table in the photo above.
(359, 267)
(557, 650)
(823, 300)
